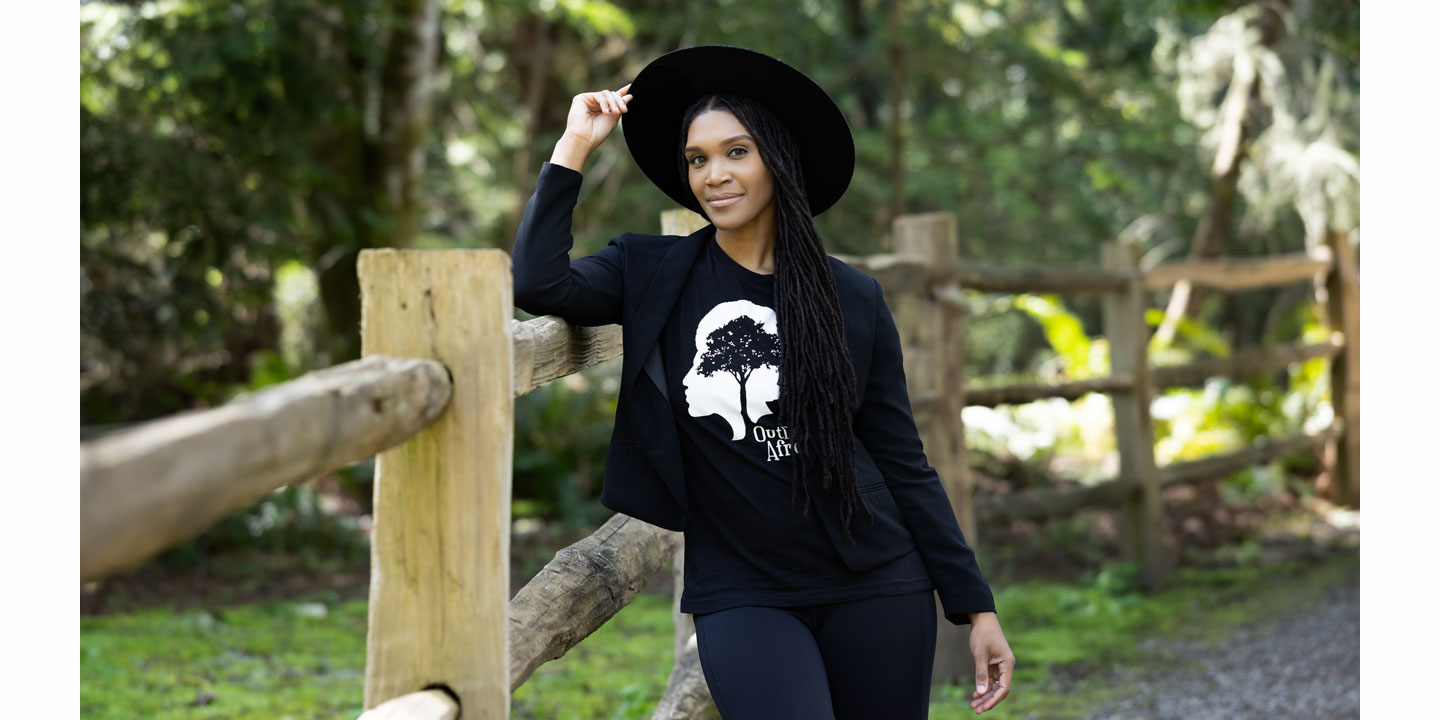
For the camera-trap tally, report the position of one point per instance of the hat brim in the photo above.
(672, 82)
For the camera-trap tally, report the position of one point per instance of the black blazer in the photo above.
(633, 282)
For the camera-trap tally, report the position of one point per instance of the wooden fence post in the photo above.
(440, 551)
(1343, 311)
(1142, 517)
(930, 330)
(680, 221)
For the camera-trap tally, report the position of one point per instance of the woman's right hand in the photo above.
(593, 115)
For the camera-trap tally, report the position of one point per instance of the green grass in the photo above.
(270, 661)
(619, 672)
(264, 660)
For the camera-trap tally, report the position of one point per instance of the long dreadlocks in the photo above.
(817, 381)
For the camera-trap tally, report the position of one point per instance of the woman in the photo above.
(762, 377)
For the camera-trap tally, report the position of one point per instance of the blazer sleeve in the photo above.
(885, 425)
(588, 291)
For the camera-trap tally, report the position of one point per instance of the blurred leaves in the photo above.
(562, 434)
(231, 167)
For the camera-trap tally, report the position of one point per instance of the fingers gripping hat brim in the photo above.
(672, 82)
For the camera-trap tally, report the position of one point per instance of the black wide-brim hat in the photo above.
(672, 82)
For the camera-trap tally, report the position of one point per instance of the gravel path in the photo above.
(1302, 664)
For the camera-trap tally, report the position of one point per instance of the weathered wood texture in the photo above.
(1231, 274)
(1020, 394)
(1068, 281)
(1244, 363)
(582, 588)
(893, 271)
(440, 548)
(681, 221)
(687, 695)
(1343, 311)
(1142, 515)
(423, 705)
(157, 485)
(1049, 503)
(931, 332)
(682, 699)
(1273, 448)
(548, 348)
(684, 622)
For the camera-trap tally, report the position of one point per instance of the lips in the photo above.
(723, 199)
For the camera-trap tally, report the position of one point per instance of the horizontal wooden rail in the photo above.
(1244, 363)
(1020, 394)
(1068, 281)
(1049, 503)
(423, 705)
(1229, 274)
(147, 489)
(893, 271)
(548, 348)
(687, 694)
(903, 271)
(1225, 463)
(1232, 274)
(584, 586)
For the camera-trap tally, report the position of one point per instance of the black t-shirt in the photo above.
(745, 543)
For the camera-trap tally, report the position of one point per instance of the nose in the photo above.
(716, 174)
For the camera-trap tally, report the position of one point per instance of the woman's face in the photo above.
(722, 160)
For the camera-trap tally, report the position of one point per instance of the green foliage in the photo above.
(274, 660)
(618, 672)
(1079, 357)
(1196, 334)
(231, 161)
(296, 660)
(212, 148)
(1190, 423)
(1038, 433)
(562, 434)
(289, 520)
(1227, 413)
(1113, 589)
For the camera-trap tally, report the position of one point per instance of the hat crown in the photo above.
(671, 83)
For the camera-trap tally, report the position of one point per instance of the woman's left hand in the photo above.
(994, 663)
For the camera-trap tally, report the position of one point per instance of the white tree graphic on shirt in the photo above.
(736, 371)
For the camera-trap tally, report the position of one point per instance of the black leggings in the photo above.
(867, 659)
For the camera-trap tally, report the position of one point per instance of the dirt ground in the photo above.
(1301, 663)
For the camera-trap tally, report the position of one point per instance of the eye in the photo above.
(742, 150)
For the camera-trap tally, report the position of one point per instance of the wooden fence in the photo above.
(434, 397)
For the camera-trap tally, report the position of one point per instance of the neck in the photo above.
(753, 244)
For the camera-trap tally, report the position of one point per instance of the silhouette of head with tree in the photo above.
(735, 373)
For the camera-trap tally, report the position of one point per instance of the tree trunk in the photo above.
(540, 51)
(383, 210)
(897, 121)
(866, 92)
(1238, 127)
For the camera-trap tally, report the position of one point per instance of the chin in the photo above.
(730, 223)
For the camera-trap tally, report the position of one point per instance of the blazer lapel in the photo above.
(643, 331)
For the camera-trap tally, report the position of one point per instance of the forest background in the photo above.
(236, 158)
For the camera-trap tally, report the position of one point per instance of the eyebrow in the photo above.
(726, 141)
